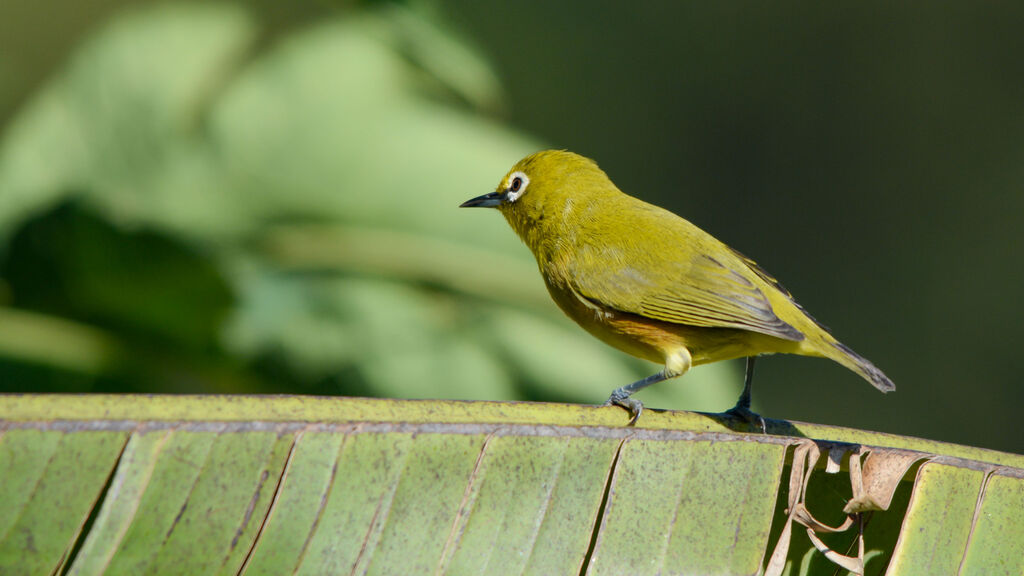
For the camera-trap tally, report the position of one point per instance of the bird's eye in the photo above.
(517, 184)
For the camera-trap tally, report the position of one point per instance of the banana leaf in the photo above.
(104, 484)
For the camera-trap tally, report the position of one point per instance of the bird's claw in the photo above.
(634, 406)
(749, 416)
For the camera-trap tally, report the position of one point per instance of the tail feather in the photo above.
(864, 367)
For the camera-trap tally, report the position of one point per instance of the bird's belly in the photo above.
(656, 341)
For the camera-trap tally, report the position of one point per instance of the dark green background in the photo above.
(869, 155)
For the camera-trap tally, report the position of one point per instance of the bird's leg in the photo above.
(748, 380)
(621, 396)
(676, 364)
(742, 407)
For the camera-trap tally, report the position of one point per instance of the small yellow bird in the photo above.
(650, 283)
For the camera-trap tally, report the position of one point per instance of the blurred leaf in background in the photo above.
(209, 204)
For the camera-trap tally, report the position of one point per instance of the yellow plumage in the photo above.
(650, 283)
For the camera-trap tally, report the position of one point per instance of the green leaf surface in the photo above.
(522, 502)
(705, 520)
(131, 481)
(350, 515)
(999, 525)
(428, 499)
(306, 484)
(253, 485)
(939, 517)
(50, 493)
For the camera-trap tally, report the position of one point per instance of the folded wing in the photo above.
(690, 288)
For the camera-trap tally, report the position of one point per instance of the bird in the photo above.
(650, 283)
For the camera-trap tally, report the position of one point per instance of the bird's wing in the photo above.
(690, 287)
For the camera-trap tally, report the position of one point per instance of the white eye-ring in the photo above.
(517, 184)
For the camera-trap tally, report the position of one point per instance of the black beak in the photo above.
(486, 201)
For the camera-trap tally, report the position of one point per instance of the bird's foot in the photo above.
(635, 407)
(751, 417)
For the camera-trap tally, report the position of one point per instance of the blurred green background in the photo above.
(261, 197)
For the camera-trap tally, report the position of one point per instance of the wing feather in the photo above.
(690, 288)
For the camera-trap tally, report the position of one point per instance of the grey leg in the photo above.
(742, 407)
(676, 364)
(748, 379)
(621, 396)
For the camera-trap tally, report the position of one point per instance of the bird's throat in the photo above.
(529, 229)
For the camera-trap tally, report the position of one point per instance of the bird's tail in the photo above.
(862, 366)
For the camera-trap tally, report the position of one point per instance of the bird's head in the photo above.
(544, 190)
